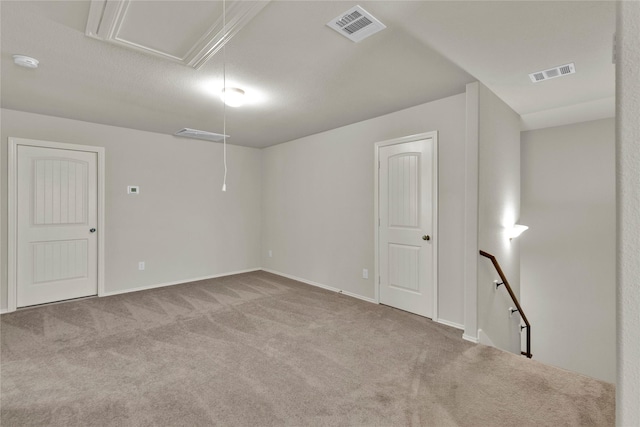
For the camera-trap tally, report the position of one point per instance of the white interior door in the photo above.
(406, 226)
(57, 207)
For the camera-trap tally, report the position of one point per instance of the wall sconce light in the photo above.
(516, 230)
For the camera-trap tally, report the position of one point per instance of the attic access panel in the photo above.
(189, 32)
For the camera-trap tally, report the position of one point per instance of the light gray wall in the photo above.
(318, 201)
(498, 209)
(180, 224)
(568, 254)
(472, 94)
(628, 213)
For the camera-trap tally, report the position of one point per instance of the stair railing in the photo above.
(515, 301)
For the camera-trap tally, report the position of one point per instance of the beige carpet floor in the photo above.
(257, 349)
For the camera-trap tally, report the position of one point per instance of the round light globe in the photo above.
(232, 96)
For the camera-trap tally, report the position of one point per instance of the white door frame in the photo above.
(434, 179)
(12, 266)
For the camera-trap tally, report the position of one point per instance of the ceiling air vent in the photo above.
(552, 73)
(200, 134)
(356, 24)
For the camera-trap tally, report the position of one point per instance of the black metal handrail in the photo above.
(515, 301)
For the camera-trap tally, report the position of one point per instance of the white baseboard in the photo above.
(452, 324)
(231, 273)
(483, 338)
(178, 282)
(320, 285)
(470, 338)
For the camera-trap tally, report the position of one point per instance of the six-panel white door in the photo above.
(56, 225)
(406, 226)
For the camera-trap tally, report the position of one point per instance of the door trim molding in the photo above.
(376, 215)
(12, 241)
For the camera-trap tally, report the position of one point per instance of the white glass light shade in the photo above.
(516, 230)
(232, 96)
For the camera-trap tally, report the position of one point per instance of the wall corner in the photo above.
(471, 213)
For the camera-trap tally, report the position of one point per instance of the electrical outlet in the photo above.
(365, 273)
(141, 265)
(270, 253)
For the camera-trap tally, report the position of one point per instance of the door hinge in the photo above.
(378, 164)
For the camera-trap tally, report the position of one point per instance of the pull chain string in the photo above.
(224, 88)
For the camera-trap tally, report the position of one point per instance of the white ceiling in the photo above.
(302, 77)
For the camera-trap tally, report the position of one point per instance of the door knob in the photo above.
(426, 237)
(93, 230)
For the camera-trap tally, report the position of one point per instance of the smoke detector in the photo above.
(201, 134)
(552, 73)
(25, 61)
(356, 24)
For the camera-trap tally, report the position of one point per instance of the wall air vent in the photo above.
(356, 24)
(200, 134)
(552, 73)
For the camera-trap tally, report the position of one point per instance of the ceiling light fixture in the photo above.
(232, 96)
(25, 61)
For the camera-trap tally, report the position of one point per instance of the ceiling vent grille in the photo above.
(200, 134)
(356, 24)
(552, 73)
